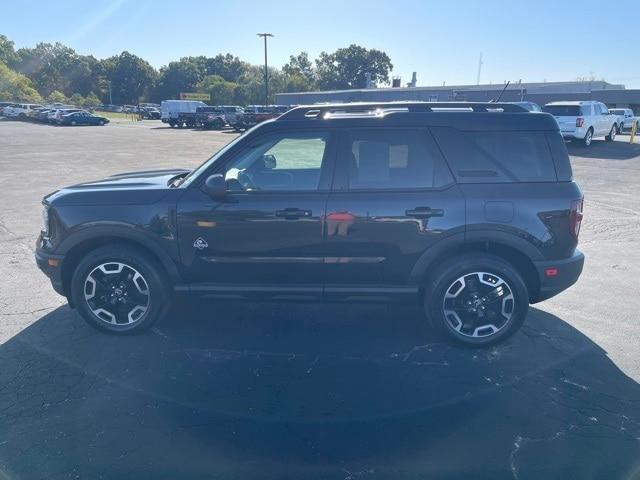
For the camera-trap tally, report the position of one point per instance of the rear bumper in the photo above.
(568, 271)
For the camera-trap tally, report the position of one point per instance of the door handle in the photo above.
(424, 212)
(293, 213)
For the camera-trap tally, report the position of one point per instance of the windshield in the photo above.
(562, 110)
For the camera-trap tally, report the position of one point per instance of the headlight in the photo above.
(45, 219)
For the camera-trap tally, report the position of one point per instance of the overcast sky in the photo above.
(440, 40)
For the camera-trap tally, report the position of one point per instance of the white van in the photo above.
(170, 110)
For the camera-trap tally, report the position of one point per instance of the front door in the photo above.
(394, 198)
(266, 236)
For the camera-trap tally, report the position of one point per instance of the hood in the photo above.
(121, 189)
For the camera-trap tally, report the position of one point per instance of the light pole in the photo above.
(266, 74)
(110, 99)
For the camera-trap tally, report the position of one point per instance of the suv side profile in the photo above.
(469, 208)
(584, 120)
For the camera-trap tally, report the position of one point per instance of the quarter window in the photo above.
(496, 157)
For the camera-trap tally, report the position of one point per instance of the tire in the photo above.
(588, 138)
(612, 134)
(453, 309)
(218, 124)
(101, 123)
(120, 289)
(73, 123)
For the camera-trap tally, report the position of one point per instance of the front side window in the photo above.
(393, 159)
(279, 163)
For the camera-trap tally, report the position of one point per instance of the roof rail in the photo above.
(323, 110)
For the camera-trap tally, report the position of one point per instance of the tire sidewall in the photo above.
(457, 268)
(158, 288)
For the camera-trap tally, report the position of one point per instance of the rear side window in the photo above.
(387, 158)
(563, 110)
(496, 157)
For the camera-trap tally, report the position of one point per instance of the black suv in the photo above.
(469, 208)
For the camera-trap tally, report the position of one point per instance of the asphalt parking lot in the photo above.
(221, 390)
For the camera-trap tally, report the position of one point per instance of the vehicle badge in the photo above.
(200, 243)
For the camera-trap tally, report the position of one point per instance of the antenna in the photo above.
(505, 87)
(479, 69)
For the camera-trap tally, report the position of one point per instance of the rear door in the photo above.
(394, 198)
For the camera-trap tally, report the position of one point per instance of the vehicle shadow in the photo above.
(601, 149)
(311, 391)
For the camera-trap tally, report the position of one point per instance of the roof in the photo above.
(574, 102)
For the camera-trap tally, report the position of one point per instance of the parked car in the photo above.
(254, 114)
(20, 110)
(211, 117)
(625, 116)
(583, 120)
(55, 115)
(178, 113)
(82, 117)
(474, 215)
(231, 113)
(149, 113)
(4, 105)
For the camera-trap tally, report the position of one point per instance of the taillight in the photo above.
(575, 217)
(579, 122)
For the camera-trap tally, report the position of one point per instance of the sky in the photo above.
(542, 40)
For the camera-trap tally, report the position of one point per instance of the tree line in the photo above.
(56, 72)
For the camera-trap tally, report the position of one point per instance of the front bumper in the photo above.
(567, 272)
(51, 266)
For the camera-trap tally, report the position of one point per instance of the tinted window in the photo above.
(490, 157)
(393, 159)
(562, 110)
(279, 162)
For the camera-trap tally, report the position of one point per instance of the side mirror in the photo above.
(269, 161)
(216, 186)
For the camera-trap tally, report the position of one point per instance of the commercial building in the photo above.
(540, 93)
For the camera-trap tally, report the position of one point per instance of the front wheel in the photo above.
(612, 134)
(477, 299)
(120, 289)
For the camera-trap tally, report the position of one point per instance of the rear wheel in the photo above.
(477, 299)
(218, 124)
(588, 138)
(120, 289)
(612, 134)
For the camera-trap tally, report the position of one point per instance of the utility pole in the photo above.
(266, 73)
(479, 69)
(110, 99)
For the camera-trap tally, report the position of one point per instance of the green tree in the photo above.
(77, 100)
(221, 91)
(348, 67)
(131, 77)
(57, 97)
(14, 86)
(8, 54)
(181, 76)
(300, 66)
(227, 66)
(91, 101)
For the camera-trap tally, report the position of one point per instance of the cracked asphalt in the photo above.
(250, 390)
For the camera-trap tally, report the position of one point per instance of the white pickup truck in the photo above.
(625, 118)
(584, 120)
